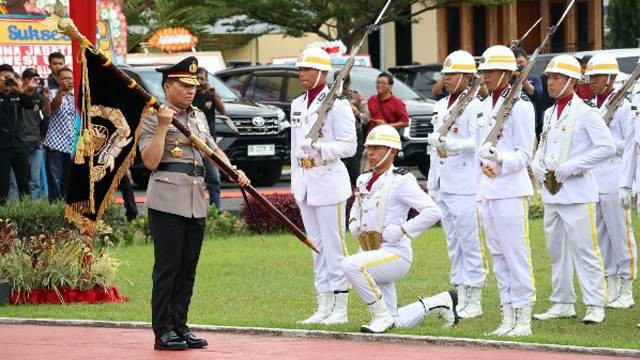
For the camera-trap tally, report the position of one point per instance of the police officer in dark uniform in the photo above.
(176, 202)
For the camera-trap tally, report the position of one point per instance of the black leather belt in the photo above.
(185, 168)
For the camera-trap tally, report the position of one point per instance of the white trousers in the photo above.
(460, 223)
(615, 237)
(325, 227)
(506, 225)
(570, 231)
(373, 275)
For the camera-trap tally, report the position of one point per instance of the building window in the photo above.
(453, 29)
(403, 39)
(557, 41)
(582, 13)
(479, 29)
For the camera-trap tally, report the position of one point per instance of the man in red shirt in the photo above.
(386, 108)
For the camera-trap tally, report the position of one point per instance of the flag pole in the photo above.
(67, 27)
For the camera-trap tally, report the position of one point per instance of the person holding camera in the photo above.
(14, 152)
(59, 140)
(33, 128)
(208, 101)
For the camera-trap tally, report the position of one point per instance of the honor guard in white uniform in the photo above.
(320, 182)
(503, 188)
(575, 140)
(452, 174)
(613, 222)
(384, 196)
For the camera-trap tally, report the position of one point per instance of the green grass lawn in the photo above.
(243, 282)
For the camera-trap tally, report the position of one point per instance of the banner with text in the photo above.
(25, 43)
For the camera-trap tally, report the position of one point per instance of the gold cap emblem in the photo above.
(193, 67)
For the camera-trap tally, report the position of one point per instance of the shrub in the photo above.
(536, 207)
(32, 218)
(223, 223)
(285, 203)
(59, 260)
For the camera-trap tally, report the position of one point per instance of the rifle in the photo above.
(515, 90)
(328, 101)
(516, 43)
(620, 95)
(67, 27)
(462, 103)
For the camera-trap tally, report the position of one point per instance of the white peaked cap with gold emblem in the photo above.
(604, 64)
(384, 135)
(459, 61)
(498, 57)
(315, 58)
(565, 65)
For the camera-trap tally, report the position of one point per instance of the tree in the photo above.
(144, 17)
(346, 20)
(623, 19)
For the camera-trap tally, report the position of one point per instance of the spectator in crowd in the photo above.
(361, 113)
(14, 153)
(583, 88)
(208, 101)
(32, 130)
(56, 62)
(532, 86)
(384, 107)
(59, 139)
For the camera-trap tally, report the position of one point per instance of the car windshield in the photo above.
(153, 81)
(364, 80)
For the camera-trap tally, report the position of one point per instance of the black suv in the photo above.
(278, 85)
(256, 137)
(421, 78)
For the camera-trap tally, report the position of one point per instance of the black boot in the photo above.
(170, 341)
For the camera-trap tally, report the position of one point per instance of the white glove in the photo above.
(307, 146)
(434, 139)
(488, 152)
(450, 145)
(624, 197)
(392, 233)
(354, 227)
(433, 194)
(565, 171)
(539, 170)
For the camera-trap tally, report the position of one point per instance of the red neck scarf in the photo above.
(373, 179)
(561, 103)
(601, 98)
(453, 98)
(313, 93)
(495, 95)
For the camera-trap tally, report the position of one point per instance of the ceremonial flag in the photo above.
(111, 122)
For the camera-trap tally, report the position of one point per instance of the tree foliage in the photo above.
(346, 20)
(144, 17)
(623, 19)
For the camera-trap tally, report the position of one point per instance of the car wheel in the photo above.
(265, 176)
(423, 166)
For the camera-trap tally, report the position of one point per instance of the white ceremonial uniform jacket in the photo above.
(456, 173)
(515, 146)
(328, 183)
(404, 195)
(591, 144)
(630, 170)
(608, 173)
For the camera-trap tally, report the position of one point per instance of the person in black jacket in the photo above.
(14, 152)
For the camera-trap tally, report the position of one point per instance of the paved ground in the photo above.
(35, 342)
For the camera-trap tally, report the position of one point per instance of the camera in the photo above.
(10, 81)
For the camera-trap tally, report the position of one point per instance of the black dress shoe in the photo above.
(170, 341)
(193, 342)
